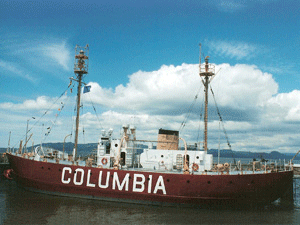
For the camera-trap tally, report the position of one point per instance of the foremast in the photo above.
(207, 72)
(80, 69)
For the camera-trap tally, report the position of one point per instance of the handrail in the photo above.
(185, 167)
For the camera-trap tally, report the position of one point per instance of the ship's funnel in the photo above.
(168, 139)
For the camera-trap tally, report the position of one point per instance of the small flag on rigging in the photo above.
(86, 89)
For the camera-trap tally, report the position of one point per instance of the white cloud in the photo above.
(161, 99)
(237, 87)
(233, 6)
(59, 53)
(243, 86)
(41, 103)
(233, 49)
(258, 115)
(40, 55)
(13, 68)
(284, 106)
(230, 5)
(159, 89)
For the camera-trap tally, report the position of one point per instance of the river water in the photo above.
(18, 206)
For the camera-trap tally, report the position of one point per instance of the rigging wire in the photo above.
(221, 120)
(49, 129)
(189, 111)
(38, 120)
(73, 117)
(83, 131)
(95, 111)
(200, 118)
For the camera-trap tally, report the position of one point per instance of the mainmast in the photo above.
(207, 71)
(80, 68)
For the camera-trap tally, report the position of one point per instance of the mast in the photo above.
(207, 71)
(80, 68)
(8, 147)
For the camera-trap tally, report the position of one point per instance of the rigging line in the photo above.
(95, 111)
(53, 123)
(182, 125)
(83, 131)
(188, 113)
(221, 120)
(74, 117)
(219, 146)
(220, 117)
(63, 93)
(200, 118)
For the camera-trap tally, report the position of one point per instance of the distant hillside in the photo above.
(85, 149)
(252, 155)
(82, 148)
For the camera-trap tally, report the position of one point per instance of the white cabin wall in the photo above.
(166, 159)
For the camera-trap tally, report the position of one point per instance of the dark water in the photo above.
(18, 206)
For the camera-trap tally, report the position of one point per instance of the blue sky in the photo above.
(139, 51)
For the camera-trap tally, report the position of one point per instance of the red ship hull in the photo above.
(148, 187)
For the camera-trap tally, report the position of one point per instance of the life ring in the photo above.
(7, 174)
(195, 167)
(104, 161)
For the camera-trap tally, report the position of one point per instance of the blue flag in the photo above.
(86, 89)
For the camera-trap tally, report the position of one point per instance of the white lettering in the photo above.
(149, 183)
(63, 175)
(140, 183)
(124, 182)
(80, 182)
(160, 185)
(88, 180)
(100, 179)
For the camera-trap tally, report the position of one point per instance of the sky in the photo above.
(143, 70)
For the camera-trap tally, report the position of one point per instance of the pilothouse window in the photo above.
(107, 148)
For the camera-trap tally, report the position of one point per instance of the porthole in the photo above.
(162, 156)
(116, 145)
(197, 157)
